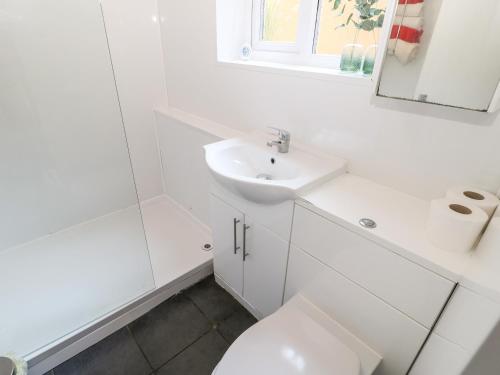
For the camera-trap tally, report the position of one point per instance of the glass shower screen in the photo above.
(72, 243)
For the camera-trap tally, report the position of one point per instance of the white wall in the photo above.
(135, 43)
(63, 155)
(184, 169)
(413, 147)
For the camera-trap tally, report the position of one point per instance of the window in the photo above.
(313, 32)
(278, 21)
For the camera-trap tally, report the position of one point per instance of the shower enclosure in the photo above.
(72, 241)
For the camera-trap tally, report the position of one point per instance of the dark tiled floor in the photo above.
(169, 329)
(187, 334)
(235, 324)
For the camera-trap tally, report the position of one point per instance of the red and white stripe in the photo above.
(407, 30)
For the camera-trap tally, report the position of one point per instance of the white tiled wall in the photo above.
(135, 44)
(184, 170)
(63, 154)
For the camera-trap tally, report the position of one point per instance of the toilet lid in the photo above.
(290, 343)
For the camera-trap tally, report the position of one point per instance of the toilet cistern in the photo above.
(283, 142)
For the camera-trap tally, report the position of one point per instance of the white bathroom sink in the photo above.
(260, 174)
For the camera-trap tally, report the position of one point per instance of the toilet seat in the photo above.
(289, 342)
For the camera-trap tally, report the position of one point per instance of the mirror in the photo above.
(444, 52)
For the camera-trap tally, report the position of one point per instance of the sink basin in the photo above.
(250, 169)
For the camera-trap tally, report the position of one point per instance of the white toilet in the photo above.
(299, 338)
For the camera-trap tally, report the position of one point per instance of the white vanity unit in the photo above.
(251, 250)
(450, 302)
(408, 287)
(360, 244)
(251, 209)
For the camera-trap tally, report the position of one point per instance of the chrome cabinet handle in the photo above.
(236, 247)
(245, 254)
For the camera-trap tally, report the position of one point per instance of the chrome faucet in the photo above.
(283, 142)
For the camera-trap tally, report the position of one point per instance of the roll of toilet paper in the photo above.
(454, 224)
(481, 198)
(9, 362)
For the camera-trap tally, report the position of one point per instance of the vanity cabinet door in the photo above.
(227, 229)
(412, 289)
(264, 268)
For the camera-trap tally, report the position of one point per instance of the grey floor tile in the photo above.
(213, 300)
(168, 329)
(199, 359)
(236, 324)
(117, 354)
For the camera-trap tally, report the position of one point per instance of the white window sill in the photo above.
(301, 71)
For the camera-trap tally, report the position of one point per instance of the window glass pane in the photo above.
(334, 14)
(279, 21)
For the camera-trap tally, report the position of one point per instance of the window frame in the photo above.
(302, 52)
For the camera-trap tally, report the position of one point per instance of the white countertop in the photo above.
(400, 218)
